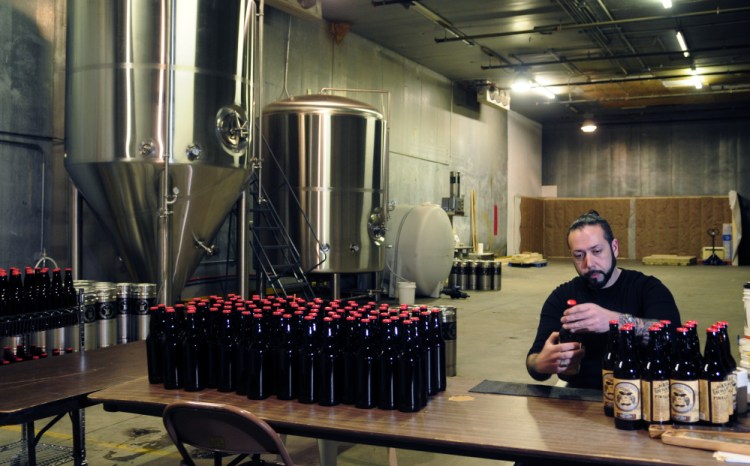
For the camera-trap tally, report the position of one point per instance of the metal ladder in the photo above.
(277, 261)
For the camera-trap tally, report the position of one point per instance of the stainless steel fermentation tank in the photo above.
(158, 96)
(333, 152)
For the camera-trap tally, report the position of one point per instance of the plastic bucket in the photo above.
(406, 291)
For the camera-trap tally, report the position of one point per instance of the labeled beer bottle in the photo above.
(193, 353)
(627, 383)
(683, 381)
(608, 366)
(730, 364)
(655, 379)
(715, 393)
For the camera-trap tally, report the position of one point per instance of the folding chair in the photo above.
(222, 429)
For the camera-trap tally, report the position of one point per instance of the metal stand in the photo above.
(713, 259)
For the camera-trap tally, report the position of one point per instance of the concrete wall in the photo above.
(524, 171)
(690, 158)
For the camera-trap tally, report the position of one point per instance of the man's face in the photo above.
(593, 257)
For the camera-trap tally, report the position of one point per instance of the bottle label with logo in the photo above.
(683, 400)
(627, 399)
(715, 399)
(608, 388)
(655, 400)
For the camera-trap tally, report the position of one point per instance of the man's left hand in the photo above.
(587, 317)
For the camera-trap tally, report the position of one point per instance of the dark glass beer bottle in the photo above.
(730, 364)
(715, 394)
(30, 295)
(349, 344)
(627, 383)
(388, 365)
(655, 379)
(608, 366)
(683, 381)
(439, 363)
(212, 347)
(244, 340)
(366, 368)
(260, 363)
(154, 349)
(171, 351)
(409, 371)
(285, 362)
(226, 354)
(57, 292)
(3, 293)
(193, 353)
(71, 298)
(307, 391)
(330, 365)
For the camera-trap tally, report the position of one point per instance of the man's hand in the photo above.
(556, 357)
(587, 317)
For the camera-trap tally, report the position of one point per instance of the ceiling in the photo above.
(617, 61)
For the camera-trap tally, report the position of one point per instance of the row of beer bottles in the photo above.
(670, 385)
(369, 357)
(36, 290)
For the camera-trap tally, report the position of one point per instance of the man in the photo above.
(602, 292)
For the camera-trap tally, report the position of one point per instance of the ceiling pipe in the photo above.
(648, 78)
(550, 28)
(563, 60)
(646, 97)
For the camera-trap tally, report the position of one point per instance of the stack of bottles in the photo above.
(669, 381)
(315, 352)
(31, 312)
(36, 291)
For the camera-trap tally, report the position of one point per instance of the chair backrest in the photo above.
(221, 428)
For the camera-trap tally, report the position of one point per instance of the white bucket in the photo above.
(406, 292)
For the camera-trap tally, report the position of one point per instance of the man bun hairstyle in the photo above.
(592, 217)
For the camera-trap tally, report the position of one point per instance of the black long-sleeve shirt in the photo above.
(633, 293)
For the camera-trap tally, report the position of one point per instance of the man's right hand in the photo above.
(556, 357)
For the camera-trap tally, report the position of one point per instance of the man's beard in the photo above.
(595, 284)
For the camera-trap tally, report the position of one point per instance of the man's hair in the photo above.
(592, 217)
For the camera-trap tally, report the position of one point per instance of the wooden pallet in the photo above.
(669, 259)
(527, 259)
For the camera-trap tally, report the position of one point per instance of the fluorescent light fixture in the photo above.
(588, 126)
(545, 92)
(697, 79)
(666, 3)
(683, 45)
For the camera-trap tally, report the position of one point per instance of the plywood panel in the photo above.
(532, 224)
(560, 213)
(678, 225)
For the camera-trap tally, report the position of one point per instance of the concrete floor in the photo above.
(495, 330)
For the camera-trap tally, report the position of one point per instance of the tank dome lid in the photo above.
(322, 103)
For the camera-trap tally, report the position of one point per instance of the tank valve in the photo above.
(208, 249)
(147, 148)
(354, 247)
(232, 128)
(376, 226)
(193, 151)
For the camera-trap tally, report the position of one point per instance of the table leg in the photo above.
(77, 419)
(29, 437)
(328, 451)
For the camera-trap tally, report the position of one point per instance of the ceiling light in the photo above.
(588, 126)
(697, 79)
(666, 3)
(683, 45)
(521, 83)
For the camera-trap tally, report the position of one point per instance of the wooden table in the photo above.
(455, 422)
(56, 386)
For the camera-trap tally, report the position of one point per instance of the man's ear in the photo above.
(615, 248)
